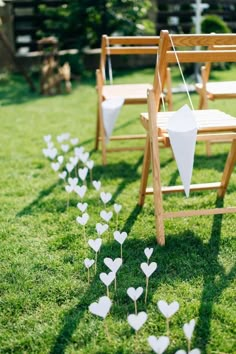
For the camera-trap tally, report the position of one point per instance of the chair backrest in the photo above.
(206, 68)
(174, 48)
(126, 45)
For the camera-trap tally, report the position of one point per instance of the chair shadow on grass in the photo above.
(172, 267)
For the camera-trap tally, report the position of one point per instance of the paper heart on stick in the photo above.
(148, 269)
(107, 279)
(148, 252)
(83, 173)
(82, 206)
(113, 265)
(65, 147)
(120, 236)
(50, 145)
(74, 141)
(193, 351)
(137, 321)
(117, 208)
(101, 228)
(97, 185)
(73, 181)
(78, 151)
(134, 294)
(55, 166)
(90, 164)
(159, 345)
(102, 307)
(84, 156)
(81, 190)
(168, 310)
(52, 153)
(95, 244)
(106, 215)
(60, 159)
(105, 197)
(69, 188)
(62, 175)
(47, 138)
(73, 160)
(188, 329)
(82, 220)
(88, 262)
(69, 167)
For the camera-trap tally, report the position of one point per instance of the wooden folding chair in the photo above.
(132, 93)
(210, 90)
(212, 124)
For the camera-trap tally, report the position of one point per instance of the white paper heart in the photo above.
(148, 252)
(65, 147)
(105, 197)
(62, 175)
(88, 262)
(168, 310)
(148, 269)
(102, 307)
(60, 159)
(69, 167)
(55, 166)
(84, 157)
(134, 294)
(83, 173)
(47, 138)
(78, 151)
(45, 152)
(50, 145)
(73, 181)
(137, 321)
(81, 190)
(90, 164)
(107, 279)
(159, 345)
(60, 139)
(188, 329)
(193, 351)
(82, 206)
(120, 236)
(97, 185)
(74, 141)
(74, 160)
(69, 188)
(113, 265)
(52, 153)
(117, 208)
(82, 220)
(106, 215)
(95, 244)
(101, 228)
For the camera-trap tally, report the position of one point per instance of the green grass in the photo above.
(44, 294)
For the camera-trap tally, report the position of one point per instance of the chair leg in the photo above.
(145, 171)
(208, 148)
(158, 202)
(229, 166)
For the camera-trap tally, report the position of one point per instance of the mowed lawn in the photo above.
(44, 290)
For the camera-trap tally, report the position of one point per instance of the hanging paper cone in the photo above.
(182, 129)
(110, 110)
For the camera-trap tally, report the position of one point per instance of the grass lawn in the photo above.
(44, 292)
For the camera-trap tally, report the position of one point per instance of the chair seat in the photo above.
(132, 93)
(208, 121)
(223, 89)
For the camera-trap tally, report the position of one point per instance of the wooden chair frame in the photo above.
(212, 124)
(132, 93)
(211, 91)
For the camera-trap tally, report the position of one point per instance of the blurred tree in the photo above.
(83, 22)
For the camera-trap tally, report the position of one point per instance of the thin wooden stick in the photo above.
(146, 291)
(135, 307)
(96, 259)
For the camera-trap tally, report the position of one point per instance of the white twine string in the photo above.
(181, 72)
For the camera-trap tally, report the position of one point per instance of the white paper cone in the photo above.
(110, 110)
(182, 129)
